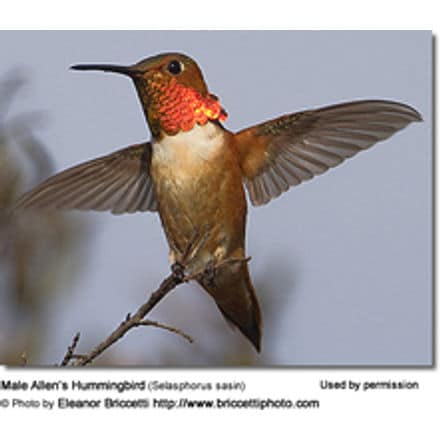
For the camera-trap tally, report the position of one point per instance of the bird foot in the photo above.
(207, 275)
(178, 271)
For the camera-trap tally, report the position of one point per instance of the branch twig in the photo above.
(176, 277)
(136, 320)
(148, 322)
(70, 351)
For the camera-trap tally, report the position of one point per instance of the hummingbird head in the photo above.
(172, 91)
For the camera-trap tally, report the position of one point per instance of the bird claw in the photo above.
(207, 276)
(178, 271)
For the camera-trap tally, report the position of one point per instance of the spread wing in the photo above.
(119, 182)
(286, 151)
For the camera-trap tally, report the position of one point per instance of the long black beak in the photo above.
(124, 70)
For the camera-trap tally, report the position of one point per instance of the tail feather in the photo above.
(235, 296)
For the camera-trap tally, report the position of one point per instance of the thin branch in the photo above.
(70, 351)
(176, 277)
(167, 285)
(184, 335)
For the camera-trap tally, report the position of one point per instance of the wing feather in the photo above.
(119, 182)
(294, 148)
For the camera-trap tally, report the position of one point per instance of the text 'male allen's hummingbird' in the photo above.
(193, 171)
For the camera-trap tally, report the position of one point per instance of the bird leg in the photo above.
(208, 273)
(181, 261)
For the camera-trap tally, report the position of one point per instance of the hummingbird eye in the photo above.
(175, 67)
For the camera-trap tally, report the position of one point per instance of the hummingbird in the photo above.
(194, 172)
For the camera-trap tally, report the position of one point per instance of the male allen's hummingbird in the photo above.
(193, 170)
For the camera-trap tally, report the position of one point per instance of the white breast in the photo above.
(201, 143)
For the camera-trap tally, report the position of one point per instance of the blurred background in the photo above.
(342, 264)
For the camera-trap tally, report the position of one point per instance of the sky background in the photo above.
(343, 262)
